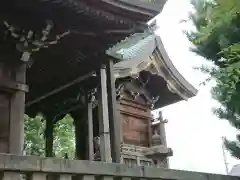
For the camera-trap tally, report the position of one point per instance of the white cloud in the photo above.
(193, 131)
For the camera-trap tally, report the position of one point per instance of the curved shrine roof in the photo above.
(144, 53)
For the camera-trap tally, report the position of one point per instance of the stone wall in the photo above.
(39, 168)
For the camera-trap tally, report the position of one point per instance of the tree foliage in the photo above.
(34, 136)
(64, 138)
(217, 38)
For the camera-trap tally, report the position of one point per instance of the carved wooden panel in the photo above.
(136, 120)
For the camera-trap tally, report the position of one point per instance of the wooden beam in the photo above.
(114, 120)
(144, 8)
(121, 31)
(59, 89)
(73, 108)
(12, 86)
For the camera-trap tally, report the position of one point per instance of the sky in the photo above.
(193, 131)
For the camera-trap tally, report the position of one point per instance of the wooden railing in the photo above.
(36, 168)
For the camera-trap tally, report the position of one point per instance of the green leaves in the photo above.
(233, 147)
(217, 38)
(216, 27)
(34, 136)
(64, 137)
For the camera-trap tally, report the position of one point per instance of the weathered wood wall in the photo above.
(136, 123)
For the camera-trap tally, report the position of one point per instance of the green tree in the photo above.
(34, 136)
(217, 38)
(64, 137)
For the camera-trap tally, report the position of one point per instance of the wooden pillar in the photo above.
(49, 138)
(162, 128)
(105, 148)
(17, 114)
(163, 132)
(80, 123)
(12, 105)
(90, 131)
(4, 122)
(114, 119)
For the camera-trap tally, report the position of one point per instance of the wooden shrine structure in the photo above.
(146, 79)
(53, 60)
(98, 61)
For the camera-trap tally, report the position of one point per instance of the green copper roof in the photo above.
(133, 53)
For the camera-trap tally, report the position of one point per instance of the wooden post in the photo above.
(49, 138)
(12, 106)
(90, 132)
(80, 123)
(163, 132)
(80, 133)
(4, 122)
(114, 121)
(17, 114)
(105, 148)
(162, 128)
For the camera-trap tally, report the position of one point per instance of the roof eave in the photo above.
(150, 9)
(172, 75)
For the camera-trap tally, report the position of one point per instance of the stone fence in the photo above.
(36, 168)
